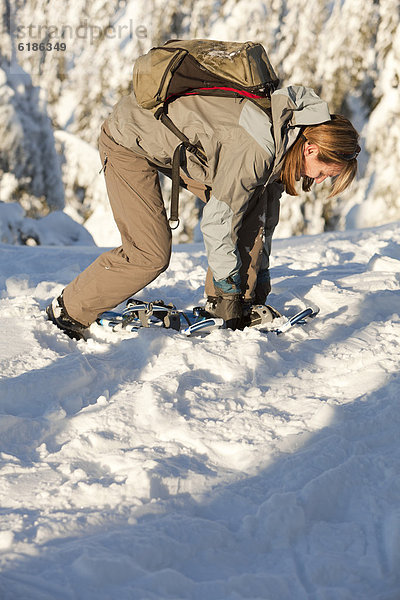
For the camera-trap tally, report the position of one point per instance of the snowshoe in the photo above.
(199, 320)
(143, 314)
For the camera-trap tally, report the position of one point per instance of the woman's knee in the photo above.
(161, 260)
(156, 260)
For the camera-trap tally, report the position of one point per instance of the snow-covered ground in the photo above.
(238, 465)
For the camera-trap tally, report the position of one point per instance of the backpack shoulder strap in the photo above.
(177, 160)
(197, 150)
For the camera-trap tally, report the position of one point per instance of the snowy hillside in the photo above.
(239, 465)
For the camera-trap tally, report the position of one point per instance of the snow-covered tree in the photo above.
(346, 49)
(378, 197)
(28, 155)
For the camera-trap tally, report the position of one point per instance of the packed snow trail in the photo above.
(238, 465)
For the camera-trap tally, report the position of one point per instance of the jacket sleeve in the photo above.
(241, 166)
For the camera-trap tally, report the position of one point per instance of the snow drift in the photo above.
(238, 465)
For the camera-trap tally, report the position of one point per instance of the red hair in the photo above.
(337, 142)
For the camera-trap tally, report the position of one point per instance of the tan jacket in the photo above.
(244, 151)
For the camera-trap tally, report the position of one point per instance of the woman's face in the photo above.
(316, 169)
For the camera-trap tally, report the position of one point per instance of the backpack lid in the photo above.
(184, 65)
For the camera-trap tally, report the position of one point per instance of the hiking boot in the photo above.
(57, 314)
(211, 306)
(227, 307)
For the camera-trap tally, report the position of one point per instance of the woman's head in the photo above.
(329, 149)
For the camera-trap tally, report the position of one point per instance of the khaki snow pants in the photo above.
(134, 193)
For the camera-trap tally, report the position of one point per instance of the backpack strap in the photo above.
(177, 161)
(197, 150)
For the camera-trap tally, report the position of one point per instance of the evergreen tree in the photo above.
(28, 154)
(379, 190)
(347, 50)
